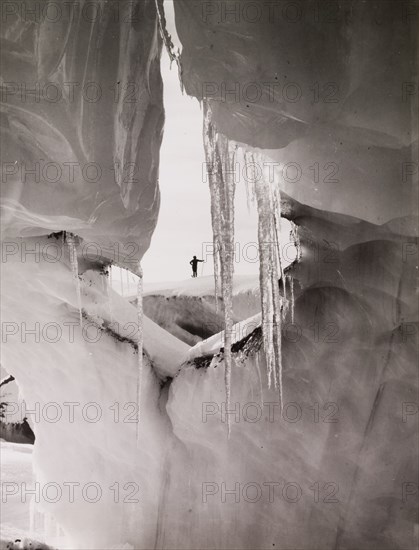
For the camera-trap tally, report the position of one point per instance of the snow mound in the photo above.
(188, 309)
(114, 312)
(213, 345)
(201, 286)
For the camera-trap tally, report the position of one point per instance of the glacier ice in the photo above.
(360, 359)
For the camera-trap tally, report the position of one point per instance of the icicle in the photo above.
(277, 323)
(265, 266)
(220, 161)
(140, 346)
(121, 281)
(250, 191)
(127, 280)
(227, 263)
(109, 293)
(291, 280)
(295, 237)
(268, 205)
(75, 269)
(213, 169)
(262, 400)
(276, 206)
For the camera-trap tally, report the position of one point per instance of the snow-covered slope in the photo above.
(187, 309)
(82, 385)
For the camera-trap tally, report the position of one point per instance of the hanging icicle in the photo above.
(127, 281)
(291, 280)
(296, 239)
(140, 341)
(270, 266)
(262, 400)
(220, 156)
(250, 189)
(121, 281)
(213, 176)
(109, 294)
(276, 212)
(265, 238)
(75, 270)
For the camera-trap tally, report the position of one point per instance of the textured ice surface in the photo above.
(308, 84)
(351, 355)
(96, 365)
(86, 161)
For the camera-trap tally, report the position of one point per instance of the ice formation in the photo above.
(75, 270)
(220, 163)
(290, 278)
(220, 157)
(266, 192)
(347, 382)
(140, 343)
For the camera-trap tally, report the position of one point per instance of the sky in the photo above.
(184, 224)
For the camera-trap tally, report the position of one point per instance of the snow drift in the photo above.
(189, 310)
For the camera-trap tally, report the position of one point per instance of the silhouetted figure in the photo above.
(194, 264)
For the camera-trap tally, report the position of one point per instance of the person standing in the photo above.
(194, 264)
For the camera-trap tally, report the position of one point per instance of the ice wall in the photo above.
(353, 286)
(327, 83)
(79, 385)
(82, 120)
(329, 91)
(331, 470)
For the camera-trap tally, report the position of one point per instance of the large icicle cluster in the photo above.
(220, 157)
(268, 201)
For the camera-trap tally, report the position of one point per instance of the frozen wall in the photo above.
(332, 88)
(341, 458)
(80, 389)
(350, 354)
(314, 82)
(82, 120)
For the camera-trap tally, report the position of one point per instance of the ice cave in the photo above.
(276, 410)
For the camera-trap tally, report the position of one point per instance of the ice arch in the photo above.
(365, 225)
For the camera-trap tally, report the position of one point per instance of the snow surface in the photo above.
(187, 309)
(86, 370)
(212, 345)
(201, 286)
